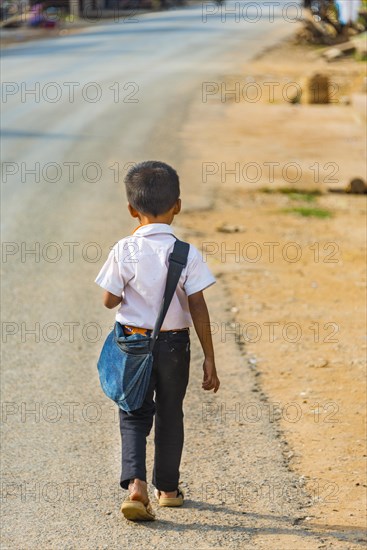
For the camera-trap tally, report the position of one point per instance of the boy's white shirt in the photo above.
(136, 269)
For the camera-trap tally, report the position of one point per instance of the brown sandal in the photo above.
(135, 510)
(172, 501)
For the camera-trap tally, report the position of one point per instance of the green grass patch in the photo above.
(309, 212)
(307, 195)
(360, 56)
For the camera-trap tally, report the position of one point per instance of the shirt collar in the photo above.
(153, 229)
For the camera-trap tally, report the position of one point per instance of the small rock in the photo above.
(319, 363)
(345, 100)
(333, 53)
(227, 228)
(357, 187)
(316, 89)
(297, 521)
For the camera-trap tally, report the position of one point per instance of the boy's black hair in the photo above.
(152, 187)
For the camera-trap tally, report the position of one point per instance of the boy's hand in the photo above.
(210, 380)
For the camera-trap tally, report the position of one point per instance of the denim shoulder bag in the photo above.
(125, 363)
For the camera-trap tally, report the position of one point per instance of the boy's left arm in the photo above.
(200, 316)
(110, 300)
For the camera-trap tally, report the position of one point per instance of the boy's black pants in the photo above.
(170, 376)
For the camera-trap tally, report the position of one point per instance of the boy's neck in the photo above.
(146, 220)
(166, 218)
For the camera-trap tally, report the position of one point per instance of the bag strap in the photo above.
(177, 261)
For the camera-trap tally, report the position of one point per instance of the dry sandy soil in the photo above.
(295, 283)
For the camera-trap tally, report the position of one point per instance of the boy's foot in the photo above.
(176, 498)
(171, 494)
(138, 490)
(136, 507)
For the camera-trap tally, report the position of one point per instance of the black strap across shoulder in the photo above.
(177, 261)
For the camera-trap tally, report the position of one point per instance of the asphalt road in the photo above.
(112, 95)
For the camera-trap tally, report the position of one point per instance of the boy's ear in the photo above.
(177, 208)
(134, 213)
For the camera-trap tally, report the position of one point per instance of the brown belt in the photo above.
(128, 329)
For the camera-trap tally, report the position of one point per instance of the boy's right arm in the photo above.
(110, 300)
(111, 279)
(200, 316)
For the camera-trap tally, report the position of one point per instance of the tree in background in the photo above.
(328, 20)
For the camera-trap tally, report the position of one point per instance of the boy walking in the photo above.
(134, 278)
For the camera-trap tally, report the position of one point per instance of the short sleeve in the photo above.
(110, 277)
(199, 276)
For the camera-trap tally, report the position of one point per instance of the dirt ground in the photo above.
(293, 263)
